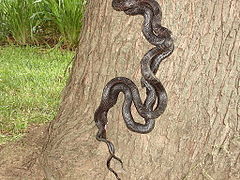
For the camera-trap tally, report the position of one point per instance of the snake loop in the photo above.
(156, 97)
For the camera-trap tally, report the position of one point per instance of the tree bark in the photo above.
(197, 137)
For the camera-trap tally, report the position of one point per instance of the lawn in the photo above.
(31, 81)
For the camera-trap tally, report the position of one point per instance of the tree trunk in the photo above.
(197, 137)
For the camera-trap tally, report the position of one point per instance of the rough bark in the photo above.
(198, 136)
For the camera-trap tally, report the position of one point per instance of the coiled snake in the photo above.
(158, 36)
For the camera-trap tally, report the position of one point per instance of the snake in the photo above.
(156, 98)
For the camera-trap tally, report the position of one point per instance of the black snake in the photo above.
(158, 36)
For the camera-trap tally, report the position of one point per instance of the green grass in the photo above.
(31, 81)
(20, 20)
(66, 18)
(3, 28)
(41, 22)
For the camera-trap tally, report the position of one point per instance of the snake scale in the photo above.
(156, 97)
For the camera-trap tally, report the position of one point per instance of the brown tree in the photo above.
(197, 137)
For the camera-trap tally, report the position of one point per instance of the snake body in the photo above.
(156, 97)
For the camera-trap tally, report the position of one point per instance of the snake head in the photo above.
(124, 5)
(168, 43)
(166, 35)
(162, 32)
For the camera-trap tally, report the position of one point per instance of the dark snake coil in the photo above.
(158, 36)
